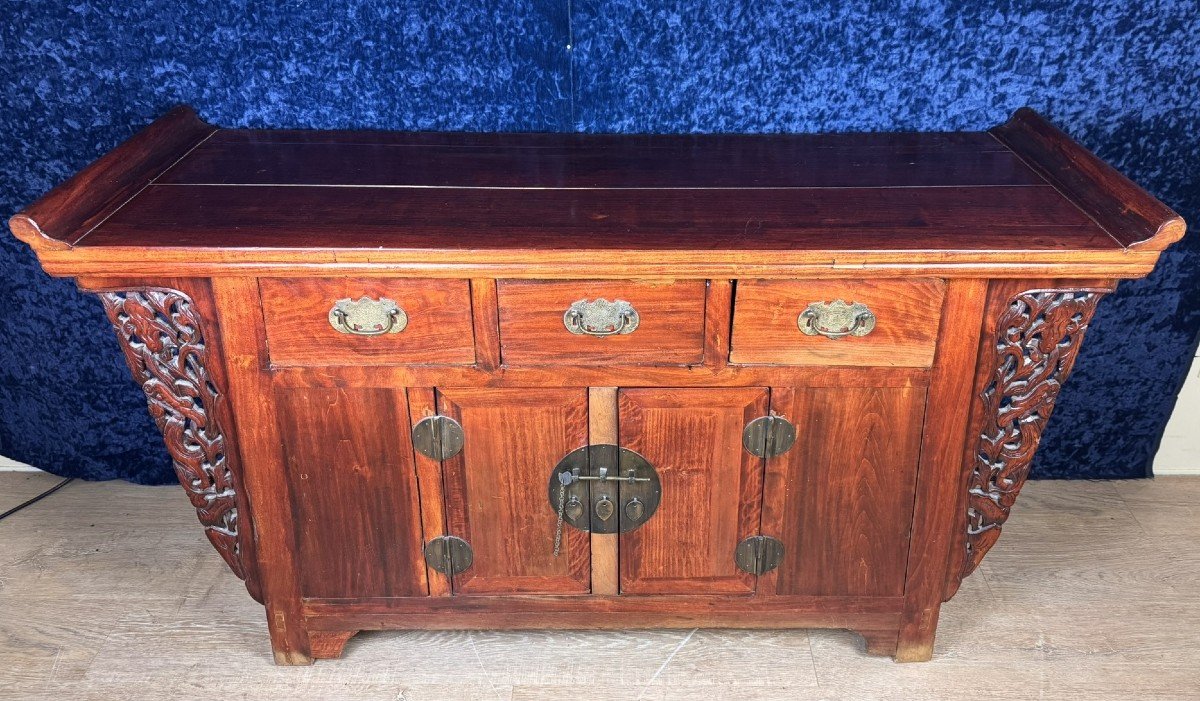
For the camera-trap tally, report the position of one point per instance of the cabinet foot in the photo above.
(917, 631)
(915, 648)
(289, 641)
(328, 645)
(914, 651)
(292, 658)
(880, 642)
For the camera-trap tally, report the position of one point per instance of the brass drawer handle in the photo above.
(367, 317)
(836, 319)
(601, 318)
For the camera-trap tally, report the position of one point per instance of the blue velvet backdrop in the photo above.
(1123, 78)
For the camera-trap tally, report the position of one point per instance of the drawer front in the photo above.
(367, 321)
(636, 323)
(836, 322)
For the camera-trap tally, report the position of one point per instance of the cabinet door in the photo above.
(711, 489)
(496, 488)
(354, 492)
(841, 499)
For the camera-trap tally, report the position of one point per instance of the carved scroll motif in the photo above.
(1037, 339)
(161, 335)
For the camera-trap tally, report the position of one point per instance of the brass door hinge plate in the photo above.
(449, 555)
(768, 436)
(438, 437)
(758, 554)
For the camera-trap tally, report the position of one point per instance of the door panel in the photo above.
(496, 488)
(349, 463)
(841, 499)
(711, 488)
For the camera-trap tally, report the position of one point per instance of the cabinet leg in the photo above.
(289, 639)
(329, 644)
(917, 630)
(880, 642)
(291, 658)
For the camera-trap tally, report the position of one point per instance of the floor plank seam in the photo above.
(1080, 600)
(666, 662)
(479, 659)
(812, 659)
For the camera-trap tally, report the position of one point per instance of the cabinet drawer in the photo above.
(836, 322)
(576, 322)
(367, 321)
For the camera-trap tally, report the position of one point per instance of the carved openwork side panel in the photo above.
(160, 333)
(1037, 339)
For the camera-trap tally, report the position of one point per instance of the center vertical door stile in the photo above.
(602, 430)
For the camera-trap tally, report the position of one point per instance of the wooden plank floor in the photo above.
(109, 591)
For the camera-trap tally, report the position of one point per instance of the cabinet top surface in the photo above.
(182, 184)
(256, 188)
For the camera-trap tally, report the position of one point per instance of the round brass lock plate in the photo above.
(619, 489)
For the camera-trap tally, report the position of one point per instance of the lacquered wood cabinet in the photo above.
(544, 381)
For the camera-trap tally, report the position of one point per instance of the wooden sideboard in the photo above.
(595, 381)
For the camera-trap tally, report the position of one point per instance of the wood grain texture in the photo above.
(1130, 214)
(670, 332)
(880, 642)
(422, 403)
(765, 329)
(720, 242)
(328, 645)
(532, 264)
(718, 309)
(170, 336)
(1040, 333)
(244, 347)
(571, 375)
(841, 499)
(250, 203)
(542, 161)
(485, 317)
(296, 314)
(712, 489)
(496, 488)
(659, 219)
(156, 626)
(62, 217)
(697, 609)
(936, 515)
(1018, 356)
(602, 429)
(354, 487)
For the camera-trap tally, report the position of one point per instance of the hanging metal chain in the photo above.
(564, 478)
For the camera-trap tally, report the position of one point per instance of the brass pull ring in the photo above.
(367, 317)
(836, 319)
(601, 318)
